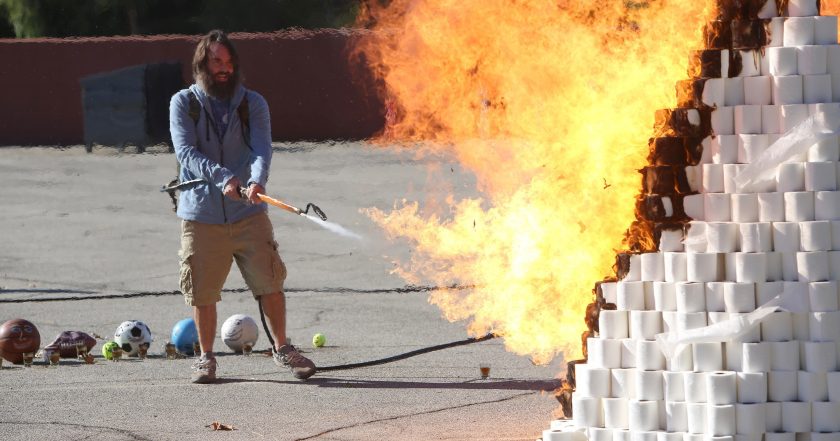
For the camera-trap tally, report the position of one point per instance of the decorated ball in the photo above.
(66, 343)
(318, 340)
(109, 348)
(239, 330)
(131, 334)
(184, 336)
(18, 336)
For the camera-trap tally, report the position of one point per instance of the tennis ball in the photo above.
(318, 340)
(108, 349)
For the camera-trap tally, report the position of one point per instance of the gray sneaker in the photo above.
(204, 370)
(302, 367)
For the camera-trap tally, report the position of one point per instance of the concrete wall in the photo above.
(305, 76)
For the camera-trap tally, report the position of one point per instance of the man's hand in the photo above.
(253, 190)
(232, 189)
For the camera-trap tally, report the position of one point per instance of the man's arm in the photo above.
(260, 134)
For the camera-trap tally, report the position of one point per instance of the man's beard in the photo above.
(217, 88)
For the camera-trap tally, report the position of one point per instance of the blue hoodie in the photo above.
(203, 156)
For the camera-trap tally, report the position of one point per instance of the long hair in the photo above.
(201, 74)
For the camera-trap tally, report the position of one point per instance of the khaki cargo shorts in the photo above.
(207, 251)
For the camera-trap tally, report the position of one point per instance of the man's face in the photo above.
(220, 69)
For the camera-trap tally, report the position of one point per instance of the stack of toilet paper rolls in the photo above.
(779, 382)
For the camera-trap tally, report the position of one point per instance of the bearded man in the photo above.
(221, 133)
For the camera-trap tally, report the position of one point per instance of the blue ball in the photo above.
(184, 335)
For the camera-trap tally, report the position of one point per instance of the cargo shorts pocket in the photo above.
(278, 268)
(186, 279)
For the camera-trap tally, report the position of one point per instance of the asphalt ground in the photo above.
(87, 241)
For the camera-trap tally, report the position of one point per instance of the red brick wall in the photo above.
(304, 75)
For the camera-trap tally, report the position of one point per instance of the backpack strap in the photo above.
(195, 108)
(244, 113)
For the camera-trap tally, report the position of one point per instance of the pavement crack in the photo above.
(129, 433)
(425, 412)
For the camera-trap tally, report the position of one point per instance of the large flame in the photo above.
(550, 104)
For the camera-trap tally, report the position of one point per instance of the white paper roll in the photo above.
(789, 269)
(644, 435)
(774, 266)
(803, 8)
(739, 296)
(725, 149)
(674, 386)
(820, 176)
(690, 320)
(615, 413)
(628, 353)
(770, 115)
(751, 418)
(785, 355)
(796, 416)
(649, 385)
(722, 237)
(801, 326)
(799, 31)
(563, 435)
(734, 354)
(756, 357)
(771, 207)
(630, 295)
(812, 60)
(812, 386)
(750, 63)
(693, 206)
(703, 267)
(777, 327)
(825, 29)
(691, 297)
(603, 353)
(816, 88)
(786, 237)
(588, 411)
(712, 178)
(714, 297)
(675, 267)
(733, 89)
(826, 150)
(676, 417)
(824, 416)
(834, 260)
(827, 207)
(774, 420)
(708, 357)
(750, 147)
(764, 292)
(671, 240)
(695, 387)
(720, 419)
(717, 317)
(790, 176)
(613, 324)
(791, 115)
(694, 173)
(834, 70)
(799, 206)
(653, 267)
(597, 433)
(787, 90)
(819, 356)
(823, 296)
(730, 171)
(721, 387)
(643, 415)
(745, 207)
(681, 361)
(696, 416)
(782, 386)
(755, 237)
(758, 90)
(833, 379)
(747, 118)
(751, 387)
(750, 267)
(782, 61)
(623, 383)
(750, 335)
(649, 358)
(695, 236)
(812, 266)
(815, 235)
(824, 326)
(620, 435)
(592, 382)
(723, 121)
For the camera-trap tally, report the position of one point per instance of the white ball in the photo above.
(239, 330)
(131, 334)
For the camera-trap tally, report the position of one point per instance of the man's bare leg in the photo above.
(205, 323)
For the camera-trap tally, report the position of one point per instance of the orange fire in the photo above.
(550, 104)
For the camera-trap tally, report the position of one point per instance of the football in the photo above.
(131, 334)
(239, 330)
(66, 343)
(18, 336)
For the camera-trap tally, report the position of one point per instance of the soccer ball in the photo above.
(239, 330)
(131, 334)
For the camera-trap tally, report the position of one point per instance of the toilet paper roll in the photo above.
(787, 90)
(750, 268)
(790, 176)
(789, 270)
(671, 436)
(751, 387)
(649, 386)
(676, 269)
(799, 206)
(755, 237)
(825, 29)
(716, 317)
(588, 411)
(695, 236)
(630, 295)
(777, 327)
(834, 70)
(748, 118)
(714, 297)
(826, 150)
(815, 236)
(645, 435)
(673, 383)
(833, 380)
(694, 387)
(774, 420)
(722, 121)
(720, 419)
(691, 297)
(796, 416)
(790, 116)
(750, 335)
(712, 178)
(623, 383)
(782, 61)
(703, 267)
(824, 326)
(690, 320)
(694, 173)
(696, 417)
(739, 296)
(649, 358)
(615, 413)
(681, 361)
(693, 206)
(603, 353)
(823, 296)
(812, 386)
(774, 266)
(608, 291)
(758, 90)
(835, 235)
(560, 435)
(733, 91)
(817, 108)
(803, 8)
(664, 296)
(730, 171)
(812, 60)
(801, 326)
(620, 435)
(816, 88)
(782, 386)
(834, 262)
(750, 63)
(676, 418)
(671, 240)
(770, 115)
(786, 237)
(824, 416)
(745, 207)
(649, 296)
(827, 207)
(819, 356)
(653, 267)
(613, 324)
(722, 237)
(750, 418)
(750, 147)
(756, 357)
(598, 434)
(721, 388)
(643, 415)
(733, 355)
(771, 207)
(812, 266)
(785, 355)
(820, 176)
(799, 31)
(708, 357)
(628, 353)
(725, 148)
(764, 292)
(592, 382)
